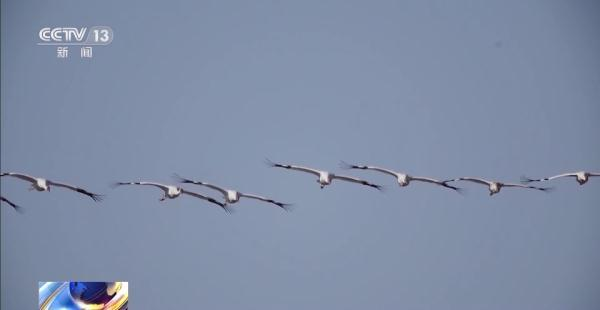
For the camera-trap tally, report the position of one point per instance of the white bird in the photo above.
(43, 185)
(325, 178)
(582, 177)
(172, 192)
(14, 206)
(232, 196)
(494, 186)
(403, 179)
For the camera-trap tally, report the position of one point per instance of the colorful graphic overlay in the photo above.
(83, 295)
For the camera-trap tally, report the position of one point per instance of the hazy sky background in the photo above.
(208, 89)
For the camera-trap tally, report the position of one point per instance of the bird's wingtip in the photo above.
(526, 180)
(17, 208)
(380, 188)
(178, 178)
(228, 208)
(288, 207)
(460, 190)
(547, 189)
(345, 165)
(269, 162)
(457, 189)
(114, 185)
(97, 197)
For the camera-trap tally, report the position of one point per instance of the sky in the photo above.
(209, 89)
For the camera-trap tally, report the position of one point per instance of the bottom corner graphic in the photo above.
(83, 295)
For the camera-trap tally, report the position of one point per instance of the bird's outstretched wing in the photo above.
(209, 199)
(470, 179)
(95, 197)
(345, 165)
(526, 180)
(356, 180)
(159, 185)
(188, 181)
(438, 182)
(293, 167)
(544, 189)
(285, 206)
(21, 176)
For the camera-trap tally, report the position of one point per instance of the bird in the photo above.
(402, 178)
(172, 192)
(10, 203)
(44, 185)
(325, 178)
(232, 196)
(495, 186)
(582, 177)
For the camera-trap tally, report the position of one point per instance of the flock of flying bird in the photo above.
(325, 178)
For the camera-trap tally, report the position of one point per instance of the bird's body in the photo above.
(324, 177)
(230, 195)
(402, 179)
(581, 177)
(494, 187)
(172, 192)
(40, 185)
(44, 185)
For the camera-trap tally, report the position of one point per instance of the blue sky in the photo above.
(209, 89)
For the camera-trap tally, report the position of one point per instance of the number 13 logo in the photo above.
(101, 35)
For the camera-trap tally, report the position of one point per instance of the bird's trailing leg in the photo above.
(162, 198)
